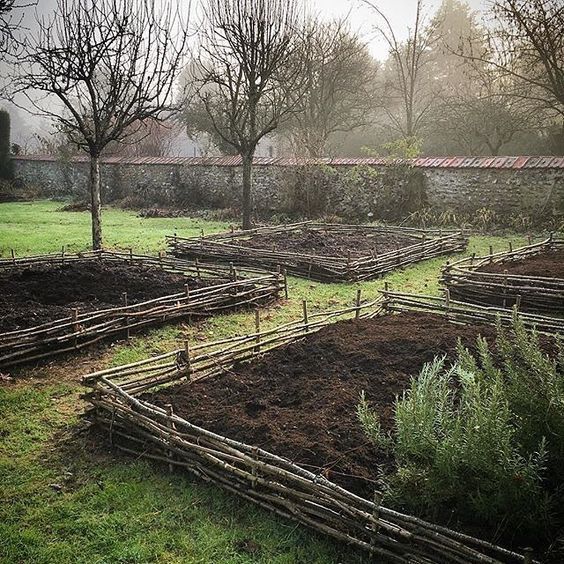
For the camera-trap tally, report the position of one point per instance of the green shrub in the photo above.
(483, 438)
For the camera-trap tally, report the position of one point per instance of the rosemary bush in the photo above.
(483, 438)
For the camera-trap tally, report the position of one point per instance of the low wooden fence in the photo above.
(227, 289)
(536, 293)
(230, 248)
(141, 428)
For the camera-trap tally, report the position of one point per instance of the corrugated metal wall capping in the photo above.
(517, 162)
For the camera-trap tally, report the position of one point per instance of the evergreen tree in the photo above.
(5, 162)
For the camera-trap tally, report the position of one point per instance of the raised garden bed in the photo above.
(51, 304)
(324, 252)
(531, 278)
(280, 430)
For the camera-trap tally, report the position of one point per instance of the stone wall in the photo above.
(281, 184)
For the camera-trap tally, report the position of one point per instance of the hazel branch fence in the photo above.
(227, 289)
(143, 429)
(230, 247)
(536, 293)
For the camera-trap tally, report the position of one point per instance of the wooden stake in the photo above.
(125, 303)
(187, 355)
(304, 307)
(13, 256)
(257, 329)
(357, 312)
(170, 425)
(75, 324)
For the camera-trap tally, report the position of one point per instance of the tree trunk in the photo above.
(247, 184)
(96, 202)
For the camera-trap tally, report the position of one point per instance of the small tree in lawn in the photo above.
(247, 74)
(102, 69)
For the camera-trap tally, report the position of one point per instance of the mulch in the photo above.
(548, 265)
(41, 294)
(330, 244)
(299, 401)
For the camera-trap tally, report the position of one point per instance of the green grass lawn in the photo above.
(64, 498)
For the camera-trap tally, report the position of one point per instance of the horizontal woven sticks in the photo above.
(230, 247)
(529, 293)
(228, 289)
(140, 428)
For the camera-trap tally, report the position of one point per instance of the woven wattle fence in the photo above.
(536, 293)
(230, 247)
(143, 429)
(227, 289)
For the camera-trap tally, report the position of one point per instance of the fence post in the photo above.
(75, 325)
(125, 303)
(170, 425)
(357, 312)
(257, 329)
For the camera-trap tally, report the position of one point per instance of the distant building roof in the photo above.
(517, 162)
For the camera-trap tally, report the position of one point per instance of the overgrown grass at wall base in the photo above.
(481, 442)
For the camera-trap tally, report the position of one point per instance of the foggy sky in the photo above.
(361, 19)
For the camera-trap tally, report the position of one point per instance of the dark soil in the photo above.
(330, 244)
(547, 265)
(163, 212)
(75, 207)
(40, 294)
(299, 400)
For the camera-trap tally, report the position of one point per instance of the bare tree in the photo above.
(247, 74)
(408, 66)
(100, 69)
(338, 93)
(526, 42)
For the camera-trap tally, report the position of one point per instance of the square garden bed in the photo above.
(323, 252)
(51, 304)
(270, 416)
(531, 278)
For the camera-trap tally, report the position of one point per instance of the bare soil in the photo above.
(299, 401)
(40, 294)
(330, 244)
(547, 265)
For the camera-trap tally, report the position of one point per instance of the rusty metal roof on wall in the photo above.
(517, 162)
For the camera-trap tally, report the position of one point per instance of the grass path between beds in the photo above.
(65, 499)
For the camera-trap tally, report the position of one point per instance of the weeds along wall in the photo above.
(357, 189)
